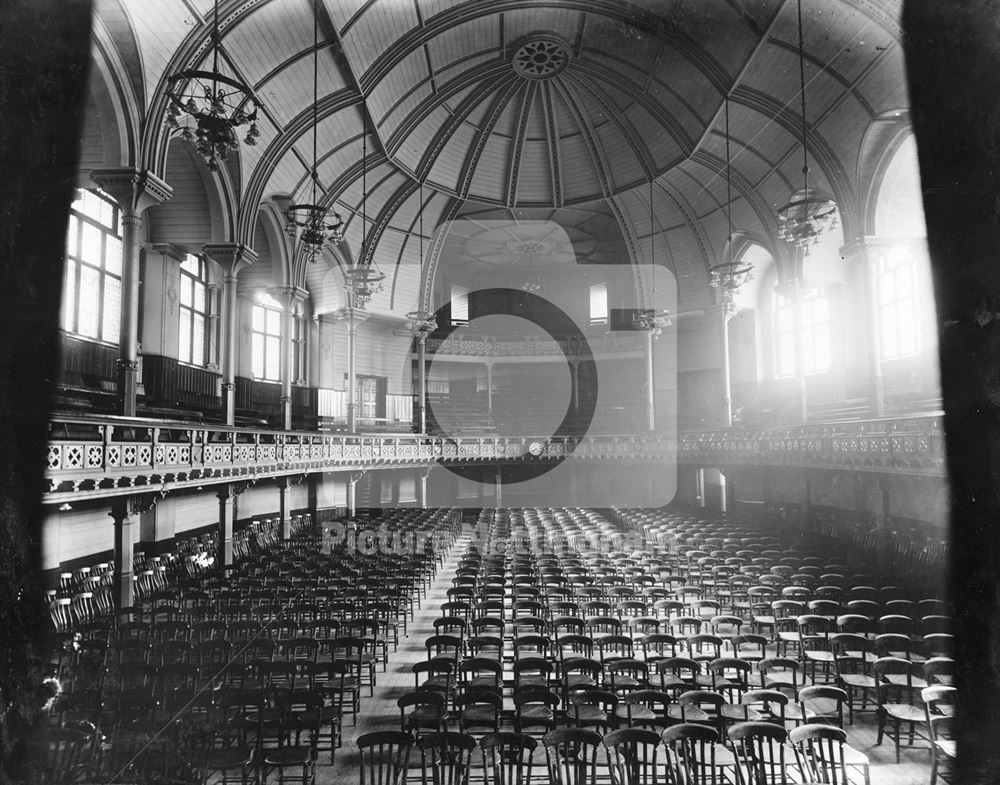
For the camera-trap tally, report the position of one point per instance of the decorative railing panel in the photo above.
(571, 346)
(113, 455)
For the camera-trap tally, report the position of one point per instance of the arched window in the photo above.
(899, 299)
(265, 339)
(92, 290)
(902, 276)
(813, 329)
(195, 341)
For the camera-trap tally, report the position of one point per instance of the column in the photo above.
(232, 257)
(285, 519)
(650, 397)
(422, 381)
(800, 362)
(422, 489)
(489, 387)
(353, 478)
(353, 317)
(214, 326)
(125, 521)
(227, 513)
(726, 312)
(498, 495)
(352, 382)
(135, 191)
(289, 297)
(574, 381)
(866, 256)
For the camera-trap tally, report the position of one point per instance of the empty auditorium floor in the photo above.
(380, 712)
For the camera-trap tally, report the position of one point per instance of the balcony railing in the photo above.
(107, 456)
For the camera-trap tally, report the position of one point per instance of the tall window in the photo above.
(814, 332)
(298, 349)
(459, 304)
(814, 327)
(784, 337)
(92, 291)
(899, 306)
(195, 308)
(599, 303)
(265, 339)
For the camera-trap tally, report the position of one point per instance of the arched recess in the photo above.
(110, 133)
(196, 213)
(883, 137)
(285, 269)
(897, 209)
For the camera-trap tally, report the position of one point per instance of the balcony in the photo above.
(108, 456)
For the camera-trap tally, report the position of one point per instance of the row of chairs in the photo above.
(760, 754)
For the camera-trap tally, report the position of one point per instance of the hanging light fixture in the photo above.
(420, 322)
(728, 278)
(652, 320)
(363, 281)
(312, 226)
(216, 103)
(810, 212)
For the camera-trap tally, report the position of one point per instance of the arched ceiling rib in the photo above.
(444, 92)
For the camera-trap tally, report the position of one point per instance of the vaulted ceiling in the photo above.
(604, 108)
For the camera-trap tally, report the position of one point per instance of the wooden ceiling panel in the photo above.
(579, 172)
(534, 179)
(490, 179)
(448, 168)
(662, 147)
(541, 17)
(627, 168)
(675, 74)
(416, 143)
(403, 107)
(289, 91)
(458, 42)
(630, 46)
(535, 128)
(407, 83)
(374, 31)
(843, 130)
(342, 12)
(273, 34)
(159, 28)
(884, 87)
(460, 67)
(430, 8)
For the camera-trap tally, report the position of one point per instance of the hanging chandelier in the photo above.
(810, 212)
(421, 323)
(311, 225)
(207, 107)
(730, 276)
(363, 281)
(652, 320)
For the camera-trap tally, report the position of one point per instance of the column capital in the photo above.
(135, 190)
(343, 314)
(288, 295)
(232, 257)
(168, 249)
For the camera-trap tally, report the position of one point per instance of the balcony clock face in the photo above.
(536, 448)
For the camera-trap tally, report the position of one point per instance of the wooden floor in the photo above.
(379, 712)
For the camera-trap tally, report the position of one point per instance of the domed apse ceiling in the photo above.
(443, 106)
(526, 242)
